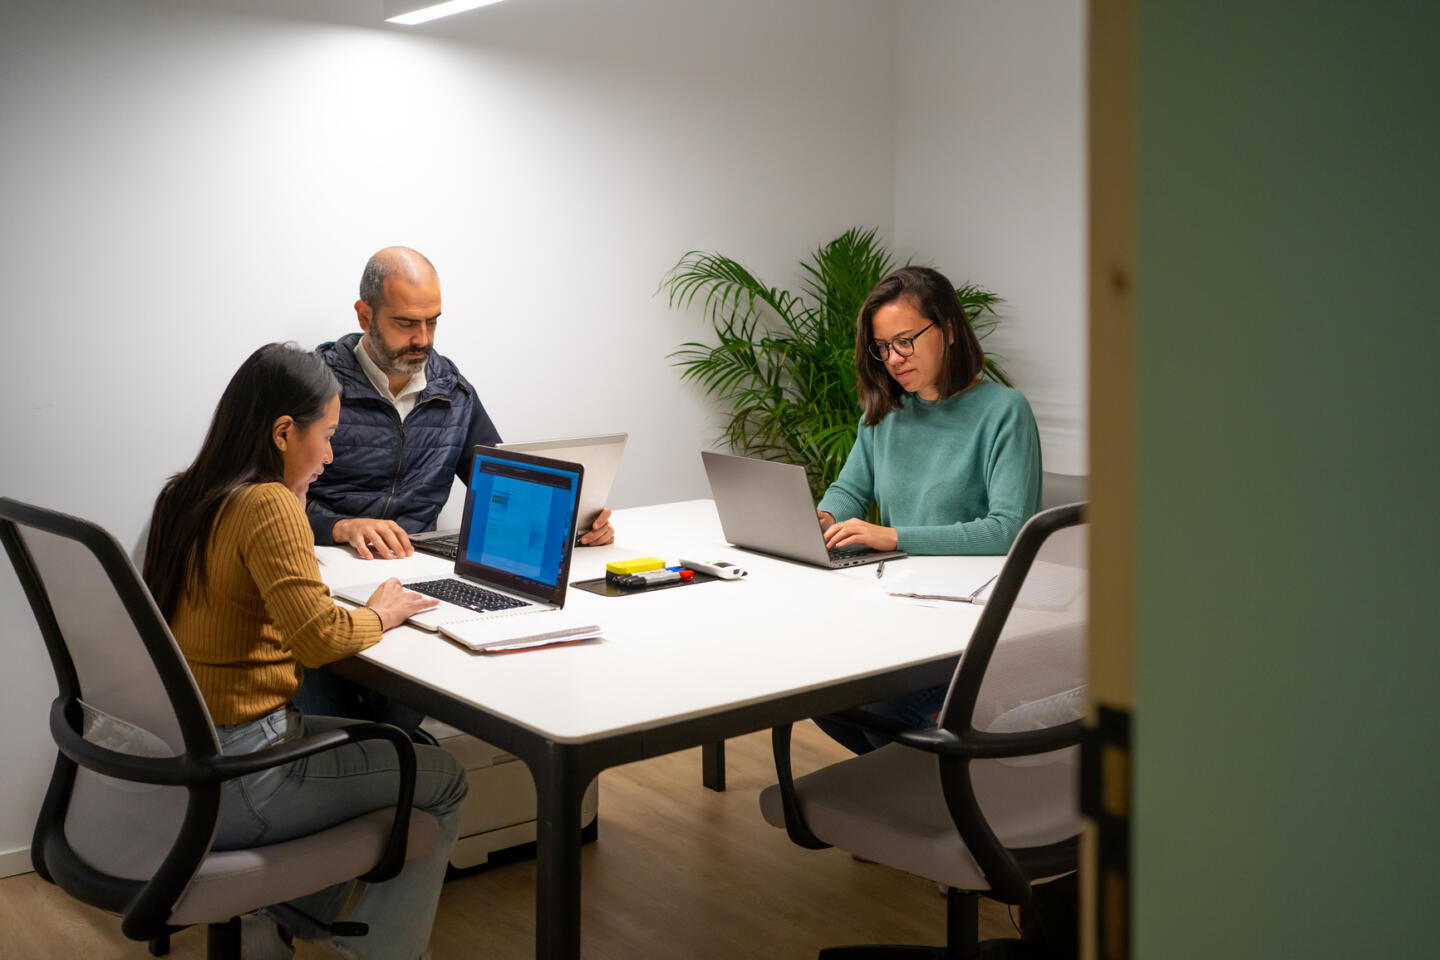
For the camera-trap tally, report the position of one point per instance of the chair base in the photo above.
(222, 940)
(988, 950)
(962, 933)
(1053, 920)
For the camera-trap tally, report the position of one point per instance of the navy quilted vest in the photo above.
(391, 470)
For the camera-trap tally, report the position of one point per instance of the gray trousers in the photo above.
(330, 788)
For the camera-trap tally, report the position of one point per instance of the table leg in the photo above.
(712, 764)
(557, 853)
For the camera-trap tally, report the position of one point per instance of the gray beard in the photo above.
(391, 363)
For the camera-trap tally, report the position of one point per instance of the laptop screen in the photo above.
(519, 526)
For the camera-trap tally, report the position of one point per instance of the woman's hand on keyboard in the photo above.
(858, 533)
(395, 604)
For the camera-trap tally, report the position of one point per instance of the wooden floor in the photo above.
(678, 871)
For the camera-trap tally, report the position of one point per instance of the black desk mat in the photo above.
(604, 588)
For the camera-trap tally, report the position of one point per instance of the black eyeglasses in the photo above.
(903, 346)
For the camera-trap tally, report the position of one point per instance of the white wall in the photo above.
(990, 183)
(180, 184)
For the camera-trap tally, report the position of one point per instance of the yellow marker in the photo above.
(638, 565)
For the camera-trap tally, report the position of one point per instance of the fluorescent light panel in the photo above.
(437, 10)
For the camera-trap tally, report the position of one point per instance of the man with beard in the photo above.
(409, 421)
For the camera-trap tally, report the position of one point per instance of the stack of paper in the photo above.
(518, 632)
(938, 585)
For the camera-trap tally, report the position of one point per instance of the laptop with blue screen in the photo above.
(516, 540)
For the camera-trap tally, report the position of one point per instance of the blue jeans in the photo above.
(329, 788)
(913, 709)
(326, 694)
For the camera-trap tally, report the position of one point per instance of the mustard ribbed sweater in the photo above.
(265, 613)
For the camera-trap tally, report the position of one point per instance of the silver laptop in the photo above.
(765, 506)
(517, 538)
(599, 455)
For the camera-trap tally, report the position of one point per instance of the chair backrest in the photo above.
(1058, 489)
(1028, 647)
(1023, 676)
(1037, 656)
(124, 687)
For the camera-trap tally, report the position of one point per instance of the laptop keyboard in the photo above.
(446, 547)
(449, 547)
(845, 553)
(466, 595)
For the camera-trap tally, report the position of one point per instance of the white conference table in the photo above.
(677, 668)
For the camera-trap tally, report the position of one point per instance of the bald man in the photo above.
(409, 421)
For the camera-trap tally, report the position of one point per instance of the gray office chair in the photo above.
(128, 820)
(1057, 489)
(987, 801)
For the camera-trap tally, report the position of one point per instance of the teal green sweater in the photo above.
(958, 476)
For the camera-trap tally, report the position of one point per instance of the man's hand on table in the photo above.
(388, 539)
(600, 531)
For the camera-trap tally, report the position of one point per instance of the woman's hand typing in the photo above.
(395, 604)
(858, 533)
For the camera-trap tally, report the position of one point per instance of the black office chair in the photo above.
(986, 802)
(128, 820)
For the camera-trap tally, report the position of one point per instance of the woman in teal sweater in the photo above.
(952, 460)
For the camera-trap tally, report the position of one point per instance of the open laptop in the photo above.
(517, 537)
(765, 506)
(599, 455)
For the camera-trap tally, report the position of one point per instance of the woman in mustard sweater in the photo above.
(231, 564)
(952, 460)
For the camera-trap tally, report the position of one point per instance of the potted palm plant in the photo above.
(784, 363)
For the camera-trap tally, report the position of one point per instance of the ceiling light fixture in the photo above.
(410, 15)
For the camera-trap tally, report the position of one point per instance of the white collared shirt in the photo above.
(405, 402)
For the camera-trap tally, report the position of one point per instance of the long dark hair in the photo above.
(935, 299)
(277, 380)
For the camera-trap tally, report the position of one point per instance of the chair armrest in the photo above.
(1026, 743)
(392, 858)
(795, 824)
(230, 766)
(863, 719)
(187, 771)
(979, 745)
(65, 727)
(184, 770)
(974, 745)
(1008, 871)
